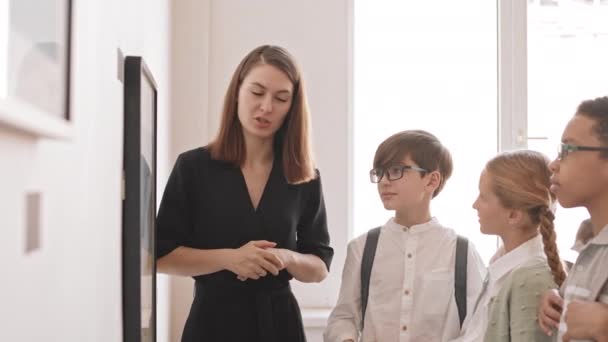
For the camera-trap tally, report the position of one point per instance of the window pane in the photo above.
(426, 65)
(567, 54)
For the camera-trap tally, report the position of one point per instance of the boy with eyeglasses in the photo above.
(580, 179)
(413, 291)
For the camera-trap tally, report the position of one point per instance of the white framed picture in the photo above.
(35, 49)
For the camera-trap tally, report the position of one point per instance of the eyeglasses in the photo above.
(564, 149)
(392, 172)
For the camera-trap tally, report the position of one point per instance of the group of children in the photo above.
(414, 279)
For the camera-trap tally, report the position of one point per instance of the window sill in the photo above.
(315, 318)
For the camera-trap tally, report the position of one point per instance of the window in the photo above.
(4, 7)
(432, 66)
(439, 66)
(567, 54)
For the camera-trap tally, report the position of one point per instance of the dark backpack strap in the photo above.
(460, 276)
(367, 261)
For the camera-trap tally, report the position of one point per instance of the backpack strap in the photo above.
(367, 261)
(460, 276)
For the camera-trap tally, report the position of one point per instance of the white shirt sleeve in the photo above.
(345, 319)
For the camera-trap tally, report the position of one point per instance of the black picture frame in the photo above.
(35, 78)
(139, 202)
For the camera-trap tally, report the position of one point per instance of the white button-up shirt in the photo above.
(411, 294)
(501, 265)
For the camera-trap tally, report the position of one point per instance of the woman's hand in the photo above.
(307, 268)
(253, 260)
(285, 255)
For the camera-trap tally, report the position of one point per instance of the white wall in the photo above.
(70, 289)
(189, 46)
(214, 37)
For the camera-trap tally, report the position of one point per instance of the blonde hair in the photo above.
(292, 139)
(521, 180)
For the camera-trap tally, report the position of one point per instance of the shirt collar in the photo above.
(601, 238)
(503, 263)
(433, 223)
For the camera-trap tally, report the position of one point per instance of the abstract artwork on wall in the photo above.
(35, 40)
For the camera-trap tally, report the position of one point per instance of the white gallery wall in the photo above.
(70, 288)
(188, 126)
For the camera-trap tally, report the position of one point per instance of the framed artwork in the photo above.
(35, 39)
(139, 202)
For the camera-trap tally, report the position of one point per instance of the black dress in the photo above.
(206, 205)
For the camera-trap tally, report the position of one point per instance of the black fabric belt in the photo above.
(264, 295)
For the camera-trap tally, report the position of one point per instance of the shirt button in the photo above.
(409, 255)
(407, 292)
(404, 328)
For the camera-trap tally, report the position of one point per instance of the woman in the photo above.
(245, 214)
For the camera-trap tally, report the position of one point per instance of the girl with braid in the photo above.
(515, 203)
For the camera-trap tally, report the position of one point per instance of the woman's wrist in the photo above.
(225, 257)
(289, 257)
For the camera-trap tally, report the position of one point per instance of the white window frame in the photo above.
(512, 74)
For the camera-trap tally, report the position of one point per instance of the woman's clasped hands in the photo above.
(256, 259)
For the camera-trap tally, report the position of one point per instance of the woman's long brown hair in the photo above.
(292, 139)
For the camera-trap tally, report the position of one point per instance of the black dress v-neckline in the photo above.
(247, 195)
